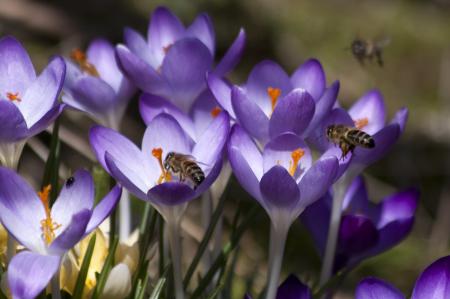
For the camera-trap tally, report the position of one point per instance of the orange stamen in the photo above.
(296, 156)
(167, 48)
(361, 123)
(81, 59)
(48, 227)
(215, 111)
(165, 175)
(274, 94)
(13, 96)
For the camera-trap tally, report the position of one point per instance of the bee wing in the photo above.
(190, 157)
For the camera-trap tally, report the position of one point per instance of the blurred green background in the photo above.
(416, 74)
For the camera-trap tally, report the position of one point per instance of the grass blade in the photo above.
(81, 279)
(101, 281)
(51, 172)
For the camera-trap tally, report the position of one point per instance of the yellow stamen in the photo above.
(361, 123)
(274, 94)
(296, 156)
(81, 59)
(13, 96)
(48, 227)
(215, 111)
(165, 175)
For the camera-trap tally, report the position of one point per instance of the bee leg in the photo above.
(182, 177)
(345, 149)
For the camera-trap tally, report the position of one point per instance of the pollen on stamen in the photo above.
(165, 175)
(48, 226)
(361, 123)
(81, 59)
(274, 94)
(215, 111)
(296, 155)
(13, 96)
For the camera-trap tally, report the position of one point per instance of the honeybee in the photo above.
(364, 49)
(348, 138)
(185, 166)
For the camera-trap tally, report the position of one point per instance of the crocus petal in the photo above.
(21, 211)
(170, 194)
(209, 148)
(279, 152)
(400, 118)
(107, 140)
(101, 54)
(356, 198)
(188, 81)
(127, 177)
(221, 91)
(74, 198)
(336, 152)
(279, 190)
(29, 273)
(370, 106)
(292, 114)
(401, 205)
(142, 74)
(356, 234)
(373, 288)
(42, 94)
(152, 105)
(232, 56)
(210, 178)
(310, 76)
(72, 234)
(293, 288)
(203, 112)
(317, 180)
(384, 141)
(249, 114)
(323, 107)
(103, 209)
(118, 284)
(434, 282)
(246, 161)
(136, 44)
(16, 69)
(12, 124)
(202, 28)
(164, 29)
(46, 120)
(264, 75)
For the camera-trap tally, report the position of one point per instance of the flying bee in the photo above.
(348, 138)
(364, 49)
(185, 166)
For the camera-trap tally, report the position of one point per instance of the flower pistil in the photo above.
(165, 175)
(215, 111)
(48, 226)
(80, 58)
(296, 155)
(274, 94)
(13, 96)
(361, 123)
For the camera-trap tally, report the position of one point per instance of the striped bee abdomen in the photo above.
(358, 137)
(194, 172)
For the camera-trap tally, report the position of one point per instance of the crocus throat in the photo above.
(48, 227)
(81, 59)
(13, 96)
(296, 156)
(165, 175)
(274, 94)
(215, 111)
(361, 123)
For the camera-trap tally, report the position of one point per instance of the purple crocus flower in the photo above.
(95, 85)
(28, 104)
(366, 229)
(46, 232)
(283, 179)
(140, 170)
(271, 102)
(369, 115)
(173, 62)
(433, 283)
(291, 288)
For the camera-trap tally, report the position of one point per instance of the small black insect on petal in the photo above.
(70, 181)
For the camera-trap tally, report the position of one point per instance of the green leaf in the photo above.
(141, 293)
(205, 241)
(51, 172)
(102, 182)
(222, 258)
(101, 281)
(81, 279)
(160, 284)
(161, 245)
